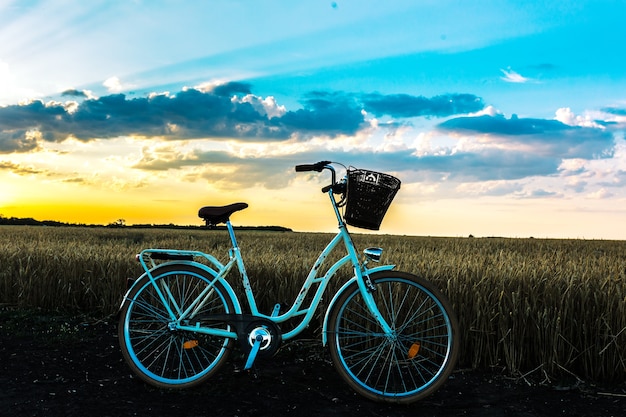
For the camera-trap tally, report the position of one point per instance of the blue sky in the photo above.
(500, 117)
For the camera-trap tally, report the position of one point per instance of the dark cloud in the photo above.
(540, 193)
(232, 88)
(170, 158)
(30, 116)
(547, 137)
(499, 125)
(513, 148)
(241, 172)
(17, 141)
(74, 93)
(492, 164)
(220, 113)
(20, 169)
(188, 114)
(325, 113)
(615, 110)
(404, 105)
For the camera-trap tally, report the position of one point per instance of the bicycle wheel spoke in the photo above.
(151, 342)
(410, 361)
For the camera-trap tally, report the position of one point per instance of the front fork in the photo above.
(368, 298)
(367, 290)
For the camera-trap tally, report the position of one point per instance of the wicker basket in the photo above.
(369, 196)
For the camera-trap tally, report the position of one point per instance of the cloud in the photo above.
(500, 125)
(226, 111)
(74, 93)
(18, 140)
(511, 76)
(488, 164)
(19, 169)
(615, 111)
(542, 136)
(617, 179)
(490, 188)
(266, 139)
(113, 85)
(189, 114)
(540, 193)
(326, 113)
(404, 105)
(231, 168)
(600, 194)
(567, 116)
(230, 88)
(164, 158)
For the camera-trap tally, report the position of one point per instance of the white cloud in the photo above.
(267, 106)
(208, 86)
(566, 115)
(600, 194)
(114, 85)
(487, 111)
(511, 76)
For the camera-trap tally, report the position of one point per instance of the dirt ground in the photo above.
(57, 365)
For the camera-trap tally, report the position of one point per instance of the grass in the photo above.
(526, 306)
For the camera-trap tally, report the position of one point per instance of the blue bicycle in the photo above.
(393, 336)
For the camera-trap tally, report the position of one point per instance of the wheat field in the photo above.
(532, 308)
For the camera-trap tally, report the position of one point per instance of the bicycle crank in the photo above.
(258, 337)
(263, 338)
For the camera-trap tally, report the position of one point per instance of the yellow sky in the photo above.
(302, 207)
(93, 185)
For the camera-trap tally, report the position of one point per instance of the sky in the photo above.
(500, 118)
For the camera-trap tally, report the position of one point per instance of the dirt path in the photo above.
(61, 366)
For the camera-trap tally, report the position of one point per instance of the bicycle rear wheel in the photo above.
(158, 353)
(412, 362)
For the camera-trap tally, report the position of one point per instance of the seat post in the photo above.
(231, 233)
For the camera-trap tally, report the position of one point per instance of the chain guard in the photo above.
(247, 327)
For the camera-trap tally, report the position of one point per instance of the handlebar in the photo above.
(336, 187)
(318, 166)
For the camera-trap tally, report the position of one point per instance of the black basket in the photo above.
(369, 196)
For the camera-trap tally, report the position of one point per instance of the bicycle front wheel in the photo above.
(413, 361)
(154, 349)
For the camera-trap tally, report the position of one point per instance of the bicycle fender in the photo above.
(343, 288)
(229, 289)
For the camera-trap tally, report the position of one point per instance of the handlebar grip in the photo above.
(338, 188)
(305, 167)
(318, 166)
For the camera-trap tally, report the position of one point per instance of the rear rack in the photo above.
(150, 258)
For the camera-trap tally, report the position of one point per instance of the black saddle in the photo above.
(214, 215)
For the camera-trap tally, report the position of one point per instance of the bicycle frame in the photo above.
(219, 271)
(180, 321)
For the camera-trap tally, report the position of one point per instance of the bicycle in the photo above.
(392, 336)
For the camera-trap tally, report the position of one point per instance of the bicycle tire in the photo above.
(168, 358)
(412, 363)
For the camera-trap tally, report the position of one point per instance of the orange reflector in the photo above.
(414, 350)
(190, 344)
